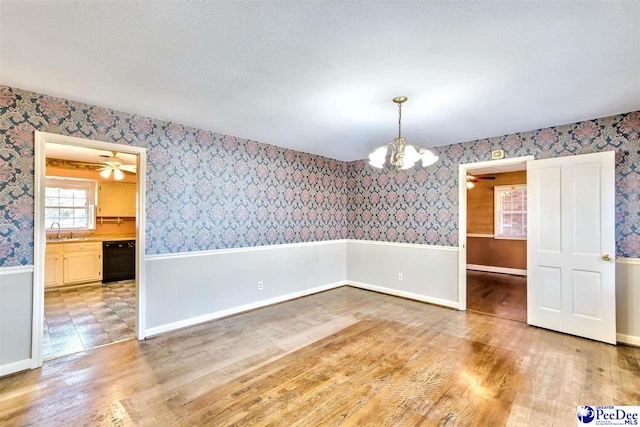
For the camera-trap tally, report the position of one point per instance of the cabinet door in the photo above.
(53, 270)
(116, 199)
(129, 200)
(110, 199)
(82, 267)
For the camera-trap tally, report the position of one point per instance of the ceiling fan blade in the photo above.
(128, 168)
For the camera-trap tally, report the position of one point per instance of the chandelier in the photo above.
(401, 155)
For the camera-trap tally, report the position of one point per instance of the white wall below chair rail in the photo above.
(16, 299)
(628, 300)
(429, 273)
(189, 288)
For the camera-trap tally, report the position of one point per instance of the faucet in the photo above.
(54, 223)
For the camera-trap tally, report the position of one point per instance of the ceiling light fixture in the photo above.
(401, 155)
(114, 164)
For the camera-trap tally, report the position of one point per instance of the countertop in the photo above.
(91, 239)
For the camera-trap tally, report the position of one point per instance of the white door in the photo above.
(571, 245)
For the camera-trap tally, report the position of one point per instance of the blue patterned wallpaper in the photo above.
(204, 190)
(211, 191)
(421, 205)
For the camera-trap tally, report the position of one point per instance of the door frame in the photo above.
(39, 238)
(462, 217)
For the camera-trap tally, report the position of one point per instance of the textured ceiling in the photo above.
(319, 76)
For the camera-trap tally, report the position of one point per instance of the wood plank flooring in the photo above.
(341, 357)
(502, 295)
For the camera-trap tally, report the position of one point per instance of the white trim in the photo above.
(40, 140)
(633, 261)
(11, 368)
(18, 269)
(462, 218)
(493, 269)
(628, 339)
(404, 245)
(156, 330)
(403, 294)
(175, 255)
(489, 236)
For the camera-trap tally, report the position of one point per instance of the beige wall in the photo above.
(497, 252)
(480, 220)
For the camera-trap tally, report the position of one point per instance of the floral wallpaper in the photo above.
(204, 190)
(212, 191)
(421, 205)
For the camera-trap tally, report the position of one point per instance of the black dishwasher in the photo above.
(118, 260)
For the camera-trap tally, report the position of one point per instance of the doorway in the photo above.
(497, 241)
(89, 203)
(493, 231)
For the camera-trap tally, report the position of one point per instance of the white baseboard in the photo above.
(404, 294)
(628, 339)
(237, 310)
(10, 368)
(492, 269)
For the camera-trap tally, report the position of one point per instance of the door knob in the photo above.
(606, 257)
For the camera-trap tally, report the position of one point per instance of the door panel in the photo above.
(550, 288)
(550, 236)
(586, 187)
(571, 286)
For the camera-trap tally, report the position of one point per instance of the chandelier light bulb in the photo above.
(117, 174)
(376, 159)
(411, 156)
(106, 173)
(428, 158)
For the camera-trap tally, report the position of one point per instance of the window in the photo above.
(510, 211)
(70, 202)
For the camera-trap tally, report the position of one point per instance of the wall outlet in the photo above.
(260, 286)
(399, 276)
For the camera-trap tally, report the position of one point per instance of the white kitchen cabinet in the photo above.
(82, 267)
(116, 199)
(53, 266)
(72, 263)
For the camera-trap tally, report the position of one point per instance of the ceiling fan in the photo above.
(471, 180)
(114, 164)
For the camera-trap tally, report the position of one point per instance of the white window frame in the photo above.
(497, 211)
(63, 182)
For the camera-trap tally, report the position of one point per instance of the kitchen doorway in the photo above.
(88, 245)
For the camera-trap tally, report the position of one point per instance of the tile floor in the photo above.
(82, 318)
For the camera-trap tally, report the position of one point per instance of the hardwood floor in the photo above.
(502, 295)
(341, 357)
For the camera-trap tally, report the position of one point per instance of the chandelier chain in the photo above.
(399, 120)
